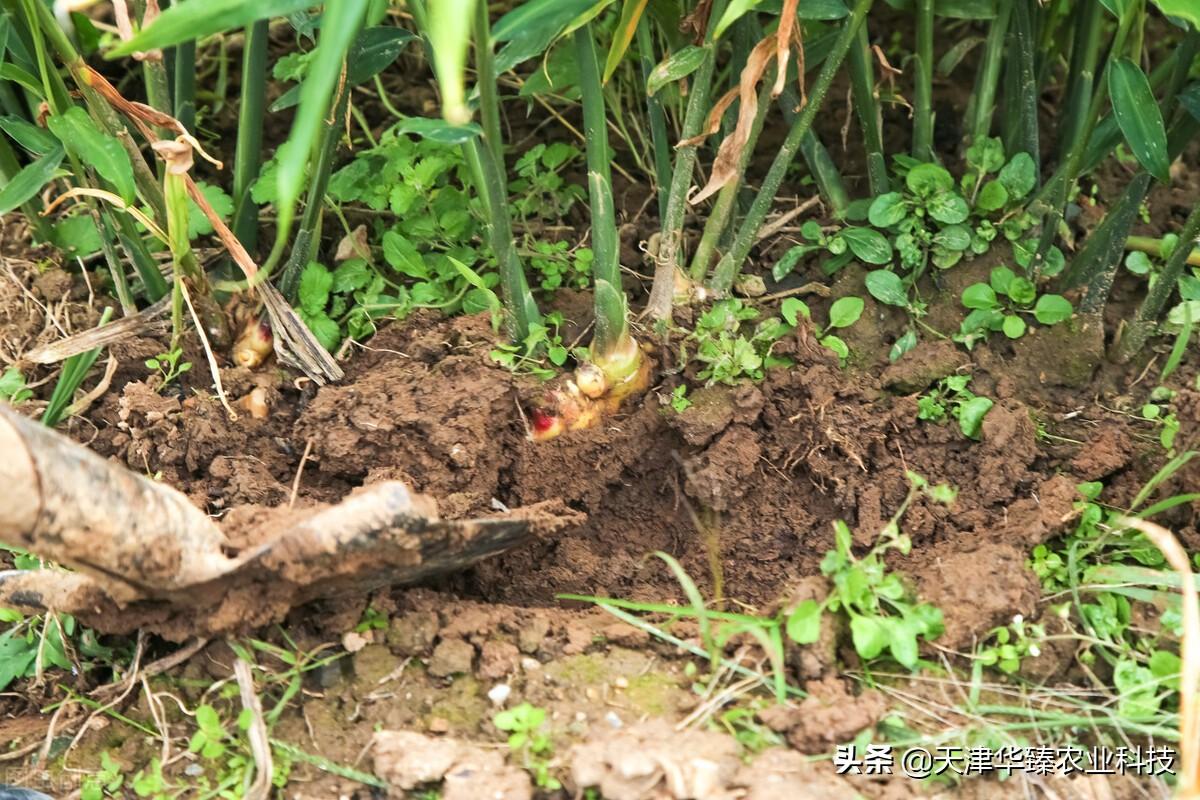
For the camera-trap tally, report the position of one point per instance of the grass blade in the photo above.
(185, 22)
(1138, 116)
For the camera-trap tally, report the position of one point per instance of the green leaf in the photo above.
(631, 15)
(374, 51)
(341, 21)
(868, 245)
(1000, 279)
(804, 623)
(979, 296)
(30, 180)
(887, 287)
(926, 180)
(822, 10)
(845, 312)
(955, 238)
(986, 155)
(1138, 117)
(483, 294)
(103, 153)
(198, 224)
(31, 137)
(1018, 176)
(77, 236)
(1014, 326)
(184, 22)
(11, 72)
(839, 348)
(733, 12)
(903, 645)
(948, 207)
(403, 255)
(902, 345)
(315, 285)
(12, 387)
(1021, 291)
(324, 328)
(1139, 263)
(1052, 309)
(971, 414)
(887, 210)
(675, 67)
(1187, 10)
(16, 657)
(954, 56)
(869, 636)
(792, 309)
(784, 266)
(530, 28)
(352, 274)
(992, 197)
(438, 130)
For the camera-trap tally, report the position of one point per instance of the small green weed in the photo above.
(844, 244)
(1005, 646)
(542, 351)
(844, 312)
(1158, 411)
(540, 190)
(728, 354)
(999, 305)
(12, 387)
(528, 738)
(951, 398)
(560, 267)
(884, 615)
(105, 783)
(372, 620)
(679, 399)
(168, 366)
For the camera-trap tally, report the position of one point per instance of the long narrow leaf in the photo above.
(449, 29)
(631, 15)
(1138, 116)
(190, 21)
(30, 180)
(342, 19)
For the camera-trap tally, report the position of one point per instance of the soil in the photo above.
(759, 472)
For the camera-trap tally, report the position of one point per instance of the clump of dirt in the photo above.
(773, 465)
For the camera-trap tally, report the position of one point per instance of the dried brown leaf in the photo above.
(729, 154)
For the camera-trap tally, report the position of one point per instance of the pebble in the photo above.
(499, 693)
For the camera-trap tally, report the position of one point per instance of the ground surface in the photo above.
(772, 464)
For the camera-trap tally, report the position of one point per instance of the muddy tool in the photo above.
(145, 557)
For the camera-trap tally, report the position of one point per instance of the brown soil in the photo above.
(758, 471)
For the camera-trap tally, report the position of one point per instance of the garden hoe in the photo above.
(142, 556)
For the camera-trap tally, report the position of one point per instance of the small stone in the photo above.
(451, 657)
(613, 720)
(531, 634)
(412, 634)
(498, 659)
(439, 725)
(499, 694)
(353, 641)
(621, 682)
(530, 664)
